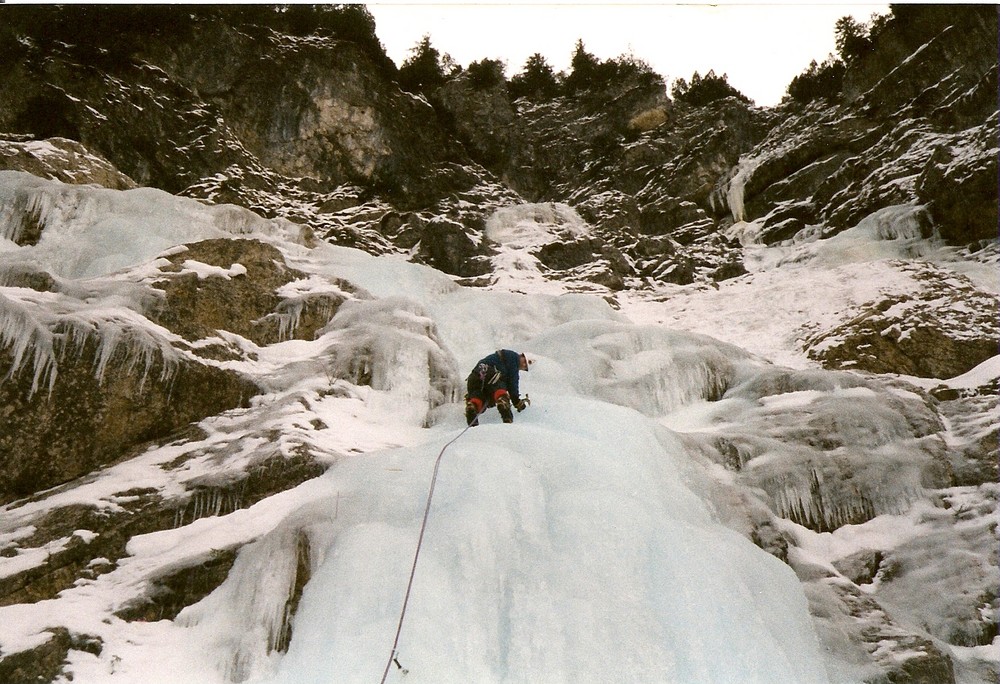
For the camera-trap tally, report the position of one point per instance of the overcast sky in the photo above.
(761, 47)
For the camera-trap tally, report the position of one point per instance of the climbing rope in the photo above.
(416, 555)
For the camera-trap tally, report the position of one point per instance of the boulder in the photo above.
(233, 285)
(44, 663)
(570, 252)
(901, 655)
(785, 221)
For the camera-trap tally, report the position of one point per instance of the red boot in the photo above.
(473, 407)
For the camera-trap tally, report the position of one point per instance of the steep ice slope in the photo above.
(563, 548)
(545, 558)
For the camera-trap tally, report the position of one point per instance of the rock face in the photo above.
(894, 143)
(944, 328)
(240, 295)
(103, 390)
(958, 184)
(338, 120)
(483, 118)
(314, 128)
(85, 421)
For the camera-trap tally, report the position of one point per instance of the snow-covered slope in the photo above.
(629, 526)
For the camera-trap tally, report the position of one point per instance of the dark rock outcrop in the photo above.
(482, 118)
(447, 246)
(959, 185)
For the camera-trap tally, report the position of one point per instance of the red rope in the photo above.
(416, 555)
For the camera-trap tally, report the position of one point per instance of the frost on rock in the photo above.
(891, 651)
(23, 336)
(243, 287)
(826, 491)
(289, 312)
(970, 406)
(83, 382)
(392, 346)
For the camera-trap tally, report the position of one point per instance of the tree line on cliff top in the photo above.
(426, 68)
(108, 34)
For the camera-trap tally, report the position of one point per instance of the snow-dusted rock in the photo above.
(243, 287)
(61, 159)
(944, 327)
(110, 384)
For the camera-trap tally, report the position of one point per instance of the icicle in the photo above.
(24, 336)
(392, 346)
(822, 499)
(19, 212)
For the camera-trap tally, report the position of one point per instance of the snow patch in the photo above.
(208, 271)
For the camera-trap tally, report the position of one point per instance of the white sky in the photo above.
(761, 47)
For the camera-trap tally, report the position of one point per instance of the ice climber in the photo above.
(493, 382)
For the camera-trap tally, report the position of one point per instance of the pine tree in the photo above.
(536, 82)
(424, 69)
(705, 89)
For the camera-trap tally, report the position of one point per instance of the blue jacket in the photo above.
(508, 362)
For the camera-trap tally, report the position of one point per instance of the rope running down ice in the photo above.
(416, 555)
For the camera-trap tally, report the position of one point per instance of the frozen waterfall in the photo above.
(567, 547)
